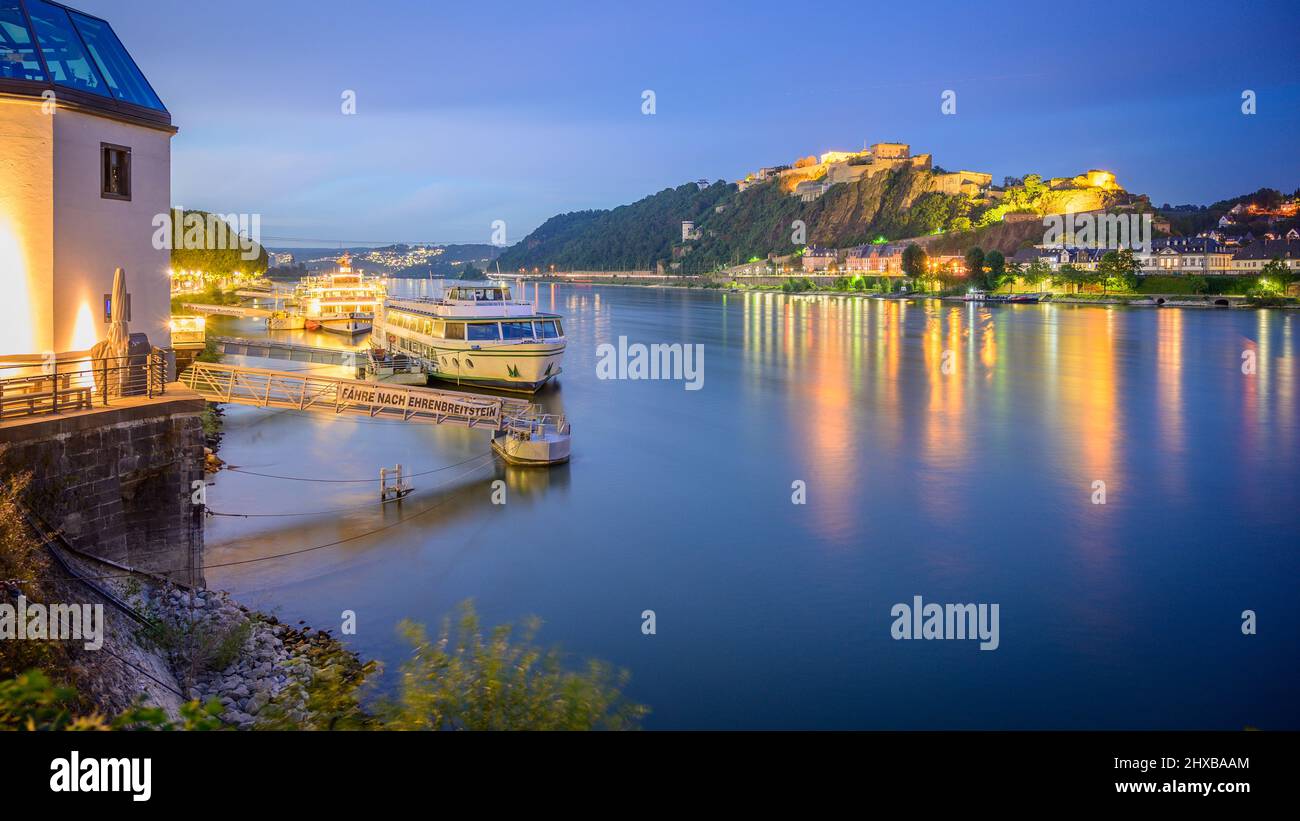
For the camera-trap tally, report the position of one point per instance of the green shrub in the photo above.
(23, 563)
(1229, 285)
(1213, 285)
(1172, 285)
(196, 646)
(470, 681)
(32, 701)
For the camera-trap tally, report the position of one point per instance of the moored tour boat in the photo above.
(342, 301)
(475, 335)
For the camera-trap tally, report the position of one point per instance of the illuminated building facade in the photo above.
(84, 172)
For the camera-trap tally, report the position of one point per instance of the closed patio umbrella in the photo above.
(118, 334)
(109, 354)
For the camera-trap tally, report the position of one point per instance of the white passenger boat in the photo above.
(475, 335)
(342, 302)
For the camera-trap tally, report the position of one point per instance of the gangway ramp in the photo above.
(277, 294)
(323, 394)
(288, 351)
(227, 310)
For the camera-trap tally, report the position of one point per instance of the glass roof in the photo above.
(18, 60)
(75, 51)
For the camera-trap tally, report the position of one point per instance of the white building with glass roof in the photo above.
(85, 171)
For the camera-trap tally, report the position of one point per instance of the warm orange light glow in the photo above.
(84, 335)
(17, 333)
(989, 346)
(1101, 179)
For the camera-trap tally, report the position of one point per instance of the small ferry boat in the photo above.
(543, 440)
(475, 335)
(342, 301)
(976, 295)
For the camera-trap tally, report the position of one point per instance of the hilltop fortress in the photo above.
(884, 193)
(810, 177)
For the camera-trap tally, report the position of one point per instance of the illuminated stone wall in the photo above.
(118, 481)
(961, 182)
(1075, 200)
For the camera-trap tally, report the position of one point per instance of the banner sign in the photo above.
(417, 401)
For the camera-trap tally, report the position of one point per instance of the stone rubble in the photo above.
(274, 665)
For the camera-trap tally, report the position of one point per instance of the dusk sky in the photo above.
(469, 113)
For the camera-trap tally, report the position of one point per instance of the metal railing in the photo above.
(188, 331)
(334, 395)
(533, 422)
(53, 387)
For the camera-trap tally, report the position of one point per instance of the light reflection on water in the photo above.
(970, 485)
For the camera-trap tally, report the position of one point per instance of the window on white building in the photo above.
(115, 174)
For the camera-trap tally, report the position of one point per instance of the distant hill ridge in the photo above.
(732, 225)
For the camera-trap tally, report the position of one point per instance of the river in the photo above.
(944, 450)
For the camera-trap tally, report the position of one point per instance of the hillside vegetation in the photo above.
(736, 226)
(761, 220)
(629, 237)
(1190, 219)
(201, 241)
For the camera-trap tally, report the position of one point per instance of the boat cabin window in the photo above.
(455, 330)
(481, 294)
(548, 329)
(483, 331)
(517, 330)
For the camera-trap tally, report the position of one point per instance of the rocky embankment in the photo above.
(258, 668)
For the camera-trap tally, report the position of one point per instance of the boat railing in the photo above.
(434, 300)
(533, 422)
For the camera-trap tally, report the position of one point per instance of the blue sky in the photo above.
(469, 113)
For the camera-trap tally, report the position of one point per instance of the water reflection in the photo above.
(971, 485)
(1169, 382)
(1089, 412)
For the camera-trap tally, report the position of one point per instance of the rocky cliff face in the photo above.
(765, 219)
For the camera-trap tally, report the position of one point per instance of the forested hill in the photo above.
(733, 225)
(1270, 214)
(762, 219)
(736, 226)
(630, 237)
